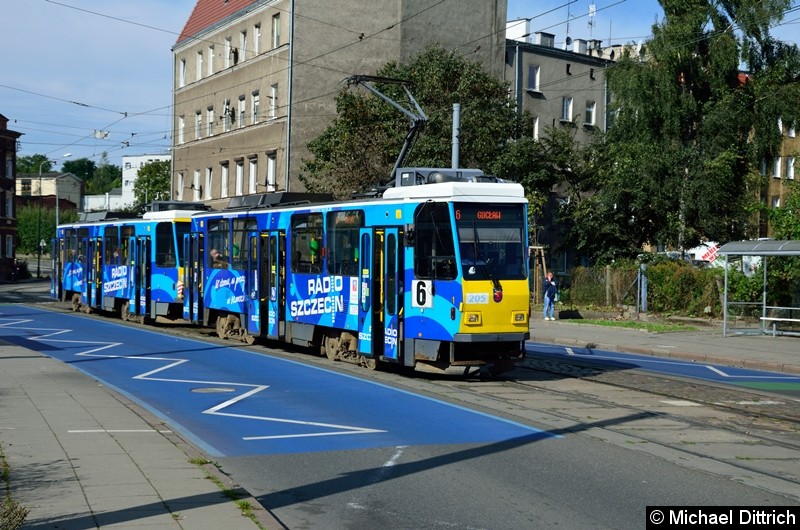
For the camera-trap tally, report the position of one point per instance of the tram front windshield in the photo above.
(491, 241)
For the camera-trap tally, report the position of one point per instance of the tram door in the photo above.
(57, 265)
(93, 266)
(193, 277)
(272, 283)
(391, 286)
(139, 252)
(365, 293)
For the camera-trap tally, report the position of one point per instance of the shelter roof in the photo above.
(768, 247)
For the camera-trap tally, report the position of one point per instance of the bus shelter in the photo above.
(758, 318)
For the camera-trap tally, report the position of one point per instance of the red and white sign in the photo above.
(711, 254)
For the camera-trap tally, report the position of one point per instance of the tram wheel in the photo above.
(332, 347)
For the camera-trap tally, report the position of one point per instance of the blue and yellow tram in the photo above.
(129, 266)
(431, 275)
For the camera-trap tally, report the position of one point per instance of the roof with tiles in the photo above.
(207, 13)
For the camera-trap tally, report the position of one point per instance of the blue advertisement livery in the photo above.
(432, 273)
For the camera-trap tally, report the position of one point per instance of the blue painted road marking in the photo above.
(233, 402)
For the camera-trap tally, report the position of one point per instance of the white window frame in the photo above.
(272, 167)
(196, 185)
(253, 176)
(181, 130)
(182, 73)
(209, 182)
(198, 125)
(210, 61)
(223, 183)
(255, 102)
(534, 72)
(790, 167)
(226, 116)
(276, 30)
(591, 113)
(180, 186)
(243, 45)
(535, 131)
(776, 170)
(227, 50)
(240, 120)
(566, 109)
(273, 101)
(199, 66)
(256, 39)
(210, 121)
(240, 177)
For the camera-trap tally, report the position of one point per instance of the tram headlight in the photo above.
(472, 318)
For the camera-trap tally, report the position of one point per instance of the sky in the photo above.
(88, 77)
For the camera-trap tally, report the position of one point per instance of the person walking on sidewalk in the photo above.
(550, 291)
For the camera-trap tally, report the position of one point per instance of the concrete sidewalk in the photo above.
(81, 456)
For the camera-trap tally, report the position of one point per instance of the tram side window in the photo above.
(342, 241)
(127, 232)
(83, 251)
(111, 245)
(70, 245)
(217, 241)
(239, 252)
(166, 255)
(307, 243)
(181, 229)
(434, 251)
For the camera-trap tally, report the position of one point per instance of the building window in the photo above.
(223, 185)
(210, 120)
(566, 109)
(199, 72)
(181, 130)
(590, 113)
(9, 245)
(276, 30)
(210, 60)
(227, 51)
(273, 101)
(255, 104)
(776, 171)
(243, 45)
(196, 185)
(790, 167)
(535, 131)
(182, 73)
(227, 116)
(272, 166)
(790, 132)
(256, 39)
(240, 177)
(241, 111)
(209, 182)
(253, 176)
(198, 125)
(533, 77)
(10, 205)
(179, 187)
(776, 201)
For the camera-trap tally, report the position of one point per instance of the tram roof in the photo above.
(466, 191)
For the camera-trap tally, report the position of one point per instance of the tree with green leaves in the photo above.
(358, 150)
(83, 168)
(31, 164)
(152, 182)
(687, 168)
(29, 232)
(105, 177)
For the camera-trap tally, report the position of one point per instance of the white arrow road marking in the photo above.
(216, 410)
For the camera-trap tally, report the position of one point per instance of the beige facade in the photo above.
(64, 186)
(251, 89)
(780, 175)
